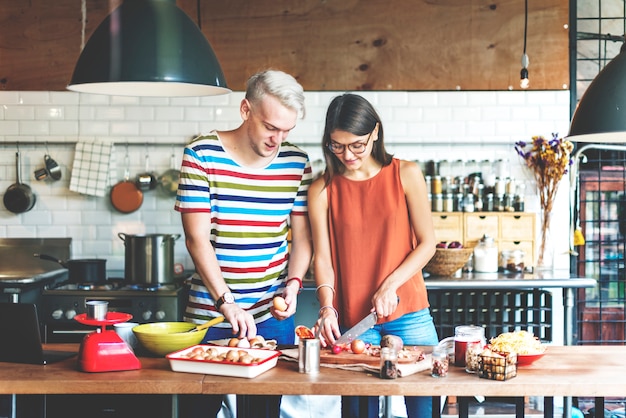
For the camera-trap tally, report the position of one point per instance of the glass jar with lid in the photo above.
(486, 256)
(512, 261)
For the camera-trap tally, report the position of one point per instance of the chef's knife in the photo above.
(364, 324)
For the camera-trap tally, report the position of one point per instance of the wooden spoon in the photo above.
(207, 324)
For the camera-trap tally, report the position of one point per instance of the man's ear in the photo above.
(244, 109)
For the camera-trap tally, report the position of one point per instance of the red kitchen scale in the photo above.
(104, 350)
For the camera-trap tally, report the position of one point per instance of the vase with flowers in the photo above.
(548, 161)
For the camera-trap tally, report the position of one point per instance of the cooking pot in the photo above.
(149, 259)
(87, 270)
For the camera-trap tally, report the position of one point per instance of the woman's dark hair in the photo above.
(354, 114)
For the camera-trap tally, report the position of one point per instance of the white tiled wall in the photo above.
(418, 126)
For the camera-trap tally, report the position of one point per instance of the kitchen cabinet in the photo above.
(448, 226)
(510, 230)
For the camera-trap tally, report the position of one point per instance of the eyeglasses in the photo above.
(355, 147)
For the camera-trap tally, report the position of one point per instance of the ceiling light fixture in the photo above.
(601, 113)
(524, 83)
(148, 48)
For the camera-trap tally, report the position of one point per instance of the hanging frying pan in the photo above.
(125, 196)
(168, 181)
(19, 197)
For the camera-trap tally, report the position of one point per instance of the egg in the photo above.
(257, 341)
(280, 304)
(243, 343)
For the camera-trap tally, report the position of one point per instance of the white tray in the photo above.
(179, 362)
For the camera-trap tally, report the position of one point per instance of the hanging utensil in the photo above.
(125, 196)
(168, 181)
(51, 169)
(147, 180)
(19, 197)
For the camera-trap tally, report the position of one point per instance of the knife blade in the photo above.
(363, 325)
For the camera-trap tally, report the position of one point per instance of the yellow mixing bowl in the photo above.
(162, 338)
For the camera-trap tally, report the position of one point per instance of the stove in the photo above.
(60, 304)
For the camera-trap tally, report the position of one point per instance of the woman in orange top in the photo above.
(372, 235)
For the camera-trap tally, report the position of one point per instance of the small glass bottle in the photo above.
(439, 362)
(388, 363)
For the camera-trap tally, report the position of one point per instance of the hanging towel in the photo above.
(94, 167)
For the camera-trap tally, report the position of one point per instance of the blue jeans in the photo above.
(416, 328)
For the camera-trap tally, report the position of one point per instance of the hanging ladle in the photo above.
(51, 168)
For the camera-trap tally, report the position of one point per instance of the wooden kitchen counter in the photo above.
(595, 371)
(155, 377)
(568, 371)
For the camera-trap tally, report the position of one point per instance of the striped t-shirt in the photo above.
(250, 210)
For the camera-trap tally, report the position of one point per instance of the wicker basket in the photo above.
(448, 261)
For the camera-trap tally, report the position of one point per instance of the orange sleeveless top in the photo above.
(370, 235)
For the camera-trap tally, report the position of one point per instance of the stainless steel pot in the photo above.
(149, 259)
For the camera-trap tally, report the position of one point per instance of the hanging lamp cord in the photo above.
(525, 23)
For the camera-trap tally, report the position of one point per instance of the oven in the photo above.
(164, 303)
(60, 304)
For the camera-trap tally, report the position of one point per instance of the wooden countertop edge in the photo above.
(563, 371)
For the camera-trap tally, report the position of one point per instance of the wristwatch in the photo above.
(227, 297)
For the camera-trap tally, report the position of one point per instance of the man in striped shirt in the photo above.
(240, 192)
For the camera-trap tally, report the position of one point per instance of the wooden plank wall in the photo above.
(327, 44)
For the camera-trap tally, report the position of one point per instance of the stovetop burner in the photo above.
(145, 287)
(89, 286)
(114, 286)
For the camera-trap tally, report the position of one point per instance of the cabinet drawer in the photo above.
(448, 226)
(527, 246)
(517, 227)
(479, 224)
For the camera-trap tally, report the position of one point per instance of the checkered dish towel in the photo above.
(94, 167)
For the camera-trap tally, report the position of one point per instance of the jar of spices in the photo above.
(439, 362)
(488, 203)
(512, 261)
(437, 202)
(468, 203)
(448, 203)
(388, 363)
(436, 185)
(472, 356)
(486, 256)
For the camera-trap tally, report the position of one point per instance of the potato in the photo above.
(392, 341)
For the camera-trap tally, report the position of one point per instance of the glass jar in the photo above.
(388, 363)
(463, 335)
(486, 256)
(512, 261)
(439, 362)
(472, 356)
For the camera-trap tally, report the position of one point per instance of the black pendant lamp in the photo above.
(148, 48)
(601, 113)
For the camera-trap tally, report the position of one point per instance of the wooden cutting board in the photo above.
(348, 357)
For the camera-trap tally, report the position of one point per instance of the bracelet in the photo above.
(328, 307)
(299, 280)
(325, 285)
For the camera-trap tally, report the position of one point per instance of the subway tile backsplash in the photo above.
(418, 126)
